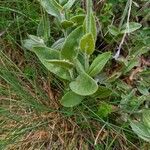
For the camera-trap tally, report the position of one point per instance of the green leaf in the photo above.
(44, 54)
(99, 63)
(43, 30)
(58, 44)
(79, 66)
(70, 47)
(87, 44)
(84, 85)
(52, 7)
(66, 24)
(141, 130)
(93, 27)
(139, 50)
(102, 92)
(78, 19)
(61, 63)
(113, 30)
(69, 4)
(71, 99)
(114, 77)
(146, 118)
(90, 25)
(143, 90)
(133, 26)
(33, 41)
(131, 64)
(62, 2)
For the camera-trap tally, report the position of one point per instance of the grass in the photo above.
(31, 116)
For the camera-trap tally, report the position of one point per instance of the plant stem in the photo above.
(71, 73)
(89, 11)
(86, 59)
(88, 28)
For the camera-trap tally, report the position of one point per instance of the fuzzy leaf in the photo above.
(84, 85)
(69, 4)
(102, 92)
(66, 24)
(62, 2)
(52, 7)
(33, 41)
(141, 130)
(93, 26)
(133, 26)
(146, 118)
(58, 44)
(44, 54)
(99, 63)
(43, 30)
(89, 25)
(61, 63)
(79, 66)
(69, 50)
(131, 64)
(87, 44)
(78, 19)
(113, 30)
(71, 99)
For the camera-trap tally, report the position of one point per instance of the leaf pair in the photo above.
(50, 58)
(55, 9)
(82, 86)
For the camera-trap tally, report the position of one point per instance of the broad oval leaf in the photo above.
(84, 85)
(87, 44)
(141, 130)
(52, 7)
(99, 63)
(69, 50)
(71, 99)
(44, 54)
(61, 63)
(133, 26)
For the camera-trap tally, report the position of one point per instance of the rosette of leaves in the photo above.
(68, 58)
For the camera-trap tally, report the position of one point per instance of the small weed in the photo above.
(89, 87)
